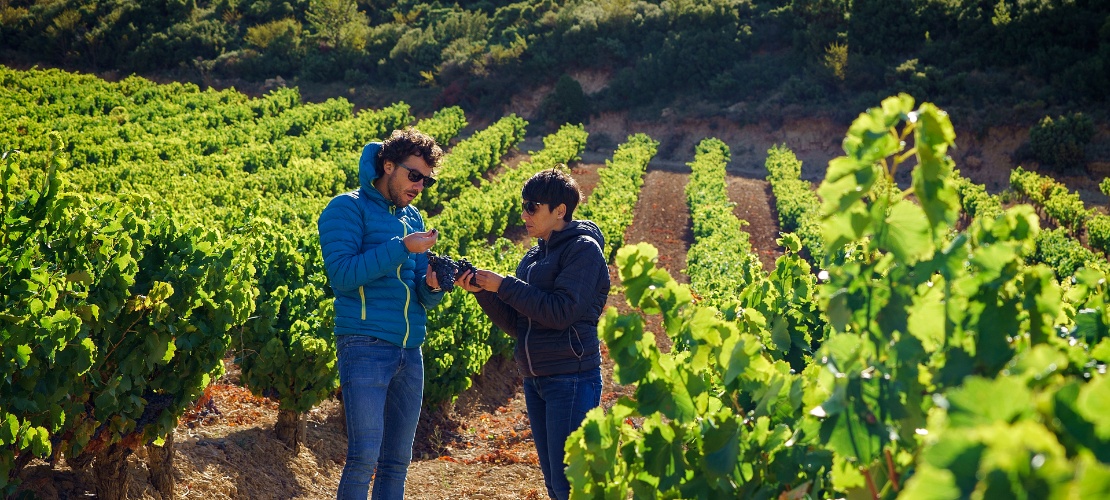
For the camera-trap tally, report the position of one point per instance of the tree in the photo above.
(338, 24)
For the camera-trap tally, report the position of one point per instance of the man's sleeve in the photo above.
(347, 265)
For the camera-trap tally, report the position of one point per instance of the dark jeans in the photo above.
(382, 385)
(557, 405)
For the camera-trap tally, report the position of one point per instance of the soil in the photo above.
(481, 447)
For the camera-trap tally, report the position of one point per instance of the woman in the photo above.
(552, 307)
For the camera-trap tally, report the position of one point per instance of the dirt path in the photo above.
(756, 205)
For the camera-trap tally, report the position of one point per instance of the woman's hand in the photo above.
(462, 280)
(486, 280)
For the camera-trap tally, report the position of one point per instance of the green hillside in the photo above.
(1020, 59)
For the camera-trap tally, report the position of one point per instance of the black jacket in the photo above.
(553, 304)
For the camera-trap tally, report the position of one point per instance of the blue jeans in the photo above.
(557, 405)
(382, 385)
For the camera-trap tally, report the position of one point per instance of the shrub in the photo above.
(1060, 143)
(567, 103)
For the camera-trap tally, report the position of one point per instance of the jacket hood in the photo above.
(366, 170)
(576, 228)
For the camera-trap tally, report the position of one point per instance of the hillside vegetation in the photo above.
(1023, 59)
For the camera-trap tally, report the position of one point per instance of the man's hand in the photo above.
(431, 279)
(420, 242)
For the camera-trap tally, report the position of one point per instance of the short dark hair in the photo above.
(407, 142)
(552, 187)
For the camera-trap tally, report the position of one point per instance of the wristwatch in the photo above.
(433, 290)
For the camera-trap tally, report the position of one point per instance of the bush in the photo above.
(1060, 143)
(567, 103)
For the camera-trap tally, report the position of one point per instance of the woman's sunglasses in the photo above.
(531, 206)
(415, 176)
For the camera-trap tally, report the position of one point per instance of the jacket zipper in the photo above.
(362, 295)
(528, 355)
(408, 293)
(408, 300)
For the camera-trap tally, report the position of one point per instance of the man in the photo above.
(373, 243)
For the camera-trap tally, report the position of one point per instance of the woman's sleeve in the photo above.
(498, 311)
(572, 296)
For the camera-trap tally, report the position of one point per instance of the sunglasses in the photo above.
(415, 176)
(531, 206)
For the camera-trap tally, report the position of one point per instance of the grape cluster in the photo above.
(446, 270)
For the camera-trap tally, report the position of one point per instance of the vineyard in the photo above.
(920, 339)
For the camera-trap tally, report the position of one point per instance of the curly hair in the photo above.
(408, 142)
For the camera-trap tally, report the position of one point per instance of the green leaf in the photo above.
(662, 454)
(1101, 351)
(980, 401)
(171, 348)
(958, 455)
(40, 441)
(927, 319)
(656, 394)
(845, 474)
(779, 335)
(22, 355)
(1094, 480)
(9, 429)
(931, 483)
(1094, 404)
(907, 232)
(720, 448)
(846, 226)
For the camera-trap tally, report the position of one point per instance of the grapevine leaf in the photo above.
(1039, 364)
(959, 455)
(982, 401)
(838, 310)
(935, 130)
(779, 336)
(628, 346)
(1089, 325)
(846, 227)
(1074, 422)
(658, 395)
(927, 319)
(40, 441)
(931, 483)
(662, 454)
(22, 355)
(1094, 405)
(907, 232)
(844, 353)
(845, 474)
(835, 403)
(9, 429)
(992, 349)
(720, 438)
(1094, 481)
(741, 357)
(1101, 351)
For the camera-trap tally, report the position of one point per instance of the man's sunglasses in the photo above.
(415, 176)
(531, 206)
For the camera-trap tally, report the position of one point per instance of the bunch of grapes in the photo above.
(446, 270)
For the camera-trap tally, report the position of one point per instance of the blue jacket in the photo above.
(379, 286)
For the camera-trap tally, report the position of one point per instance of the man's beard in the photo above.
(399, 199)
